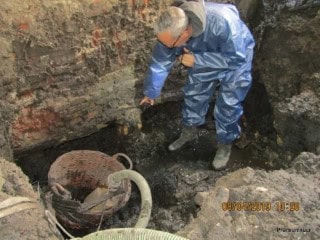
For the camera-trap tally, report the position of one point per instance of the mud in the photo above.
(293, 197)
(30, 223)
(174, 177)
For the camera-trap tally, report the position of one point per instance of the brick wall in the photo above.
(71, 67)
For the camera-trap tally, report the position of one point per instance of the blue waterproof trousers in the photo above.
(228, 105)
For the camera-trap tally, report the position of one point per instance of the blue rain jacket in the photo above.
(223, 56)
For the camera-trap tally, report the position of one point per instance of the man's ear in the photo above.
(188, 31)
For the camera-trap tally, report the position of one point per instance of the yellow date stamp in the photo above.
(279, 206)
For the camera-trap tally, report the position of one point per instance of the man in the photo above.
(217, 48)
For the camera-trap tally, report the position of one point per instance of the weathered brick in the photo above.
(73, 66)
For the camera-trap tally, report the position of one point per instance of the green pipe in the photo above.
(131, 234)
(114, 181)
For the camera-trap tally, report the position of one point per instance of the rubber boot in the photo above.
(187, 134)
(222, 156)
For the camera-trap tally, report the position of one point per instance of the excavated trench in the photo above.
(280, 122)
(174, 177)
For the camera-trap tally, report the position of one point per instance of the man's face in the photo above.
(166, 39)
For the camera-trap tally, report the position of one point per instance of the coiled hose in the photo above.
(131, 234)
(114, 181)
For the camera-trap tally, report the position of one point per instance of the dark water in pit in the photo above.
(174, 177)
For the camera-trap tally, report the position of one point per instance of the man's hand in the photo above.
(187, 59)
(147, 100)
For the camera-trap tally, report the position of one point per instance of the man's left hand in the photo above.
(187, 59)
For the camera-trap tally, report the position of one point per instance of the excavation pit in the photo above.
(174, 177)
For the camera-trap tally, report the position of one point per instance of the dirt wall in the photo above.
(68, 68)
(15, 213)
(287, 65)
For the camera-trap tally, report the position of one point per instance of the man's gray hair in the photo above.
(174, 20)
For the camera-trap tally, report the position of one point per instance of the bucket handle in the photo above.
(115, 156)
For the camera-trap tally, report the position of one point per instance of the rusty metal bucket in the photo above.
(78, 181)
